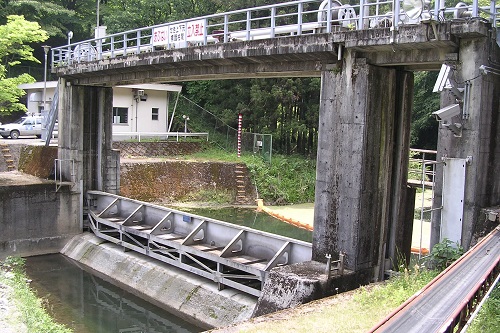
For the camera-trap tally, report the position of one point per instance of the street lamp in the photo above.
(70, 35)
(46, 49)
(186, 118)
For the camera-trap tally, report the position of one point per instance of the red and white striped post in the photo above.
(240, 117)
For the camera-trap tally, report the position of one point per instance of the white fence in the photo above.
(122, 136)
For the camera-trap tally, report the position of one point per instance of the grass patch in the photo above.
(288, 179)
(358, 312)
(32, 311)
(488, 319)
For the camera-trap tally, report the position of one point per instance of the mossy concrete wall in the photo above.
(37, 160)
(186, 295)
(168, 181)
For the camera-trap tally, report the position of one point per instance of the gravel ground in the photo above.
(9, 315)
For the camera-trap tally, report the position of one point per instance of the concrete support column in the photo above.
(480, 138)
(85, 136)
(362, 162)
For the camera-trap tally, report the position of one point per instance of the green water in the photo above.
(256, 220)
(88, 304)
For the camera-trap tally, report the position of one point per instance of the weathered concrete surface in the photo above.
(292, 285)
(188, 296)
(489, 218)
(361, 166)
(34, 219)
(171, 180)
(299, 56)
(414, 47)
(85, 138)
(480, 137)
(149, 149)
(38, 160)
(305, 55)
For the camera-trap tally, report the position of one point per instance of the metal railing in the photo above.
(278, 20)
(447, 302)
(156, 135)
(422, 173)
(59, 179)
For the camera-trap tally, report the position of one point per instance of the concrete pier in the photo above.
(479, 141)
(362, 162)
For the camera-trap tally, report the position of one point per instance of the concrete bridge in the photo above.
(366, 56)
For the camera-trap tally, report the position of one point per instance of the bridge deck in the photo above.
(297, 38)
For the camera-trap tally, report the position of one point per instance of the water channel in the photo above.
(253, 219)
(88, 304)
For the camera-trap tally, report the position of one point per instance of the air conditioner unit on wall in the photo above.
(140, 92)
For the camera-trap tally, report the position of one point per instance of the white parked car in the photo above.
(26, 126)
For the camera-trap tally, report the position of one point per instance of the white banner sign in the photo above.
(196, 31)
(160, 36)
(178, 35)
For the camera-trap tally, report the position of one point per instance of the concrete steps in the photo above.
(9, 161)
(241, 176)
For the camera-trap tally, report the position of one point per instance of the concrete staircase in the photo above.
(241, 193)
(9, 161)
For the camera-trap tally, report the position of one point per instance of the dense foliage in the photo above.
(15, 38)
(444, 254)
(287, 108)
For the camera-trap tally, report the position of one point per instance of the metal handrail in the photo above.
(427, 169)
(167, 135)
(277, 20)
(58, 172)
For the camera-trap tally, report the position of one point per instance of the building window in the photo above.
(120, 115)
(154, 113)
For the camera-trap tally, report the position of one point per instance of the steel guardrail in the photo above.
(445, 304)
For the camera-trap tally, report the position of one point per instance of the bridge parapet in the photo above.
(295, 18)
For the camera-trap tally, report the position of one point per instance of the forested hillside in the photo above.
(287, 108)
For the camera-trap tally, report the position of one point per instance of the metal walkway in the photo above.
(231, 255)
(446, 303)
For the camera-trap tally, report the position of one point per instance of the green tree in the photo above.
(15, 37)
(424, 128)
(52, 17)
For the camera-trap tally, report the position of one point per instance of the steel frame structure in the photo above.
(231, 255)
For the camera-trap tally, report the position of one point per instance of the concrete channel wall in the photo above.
(35, 219)
(188, 296)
